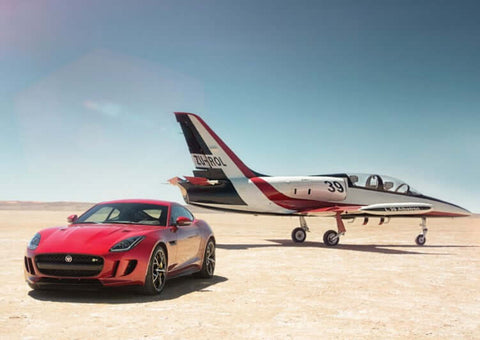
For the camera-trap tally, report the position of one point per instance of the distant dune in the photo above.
(50, 206)
(68, 206)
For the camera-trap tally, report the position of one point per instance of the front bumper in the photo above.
(84, 270)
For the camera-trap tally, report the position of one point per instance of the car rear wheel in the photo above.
(157, 272)
(208, 266)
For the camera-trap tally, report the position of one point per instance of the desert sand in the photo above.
(376, 284)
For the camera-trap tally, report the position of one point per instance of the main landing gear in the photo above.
(330, 238)
(300, 234)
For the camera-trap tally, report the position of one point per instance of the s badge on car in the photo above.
(68, 258)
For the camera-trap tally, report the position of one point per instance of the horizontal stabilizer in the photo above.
(201, 181)
(174, 180)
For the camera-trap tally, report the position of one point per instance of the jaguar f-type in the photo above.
(122, 243)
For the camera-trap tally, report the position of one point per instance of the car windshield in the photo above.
(126, 213)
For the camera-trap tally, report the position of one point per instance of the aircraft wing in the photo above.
(380, 209)
(332, 211)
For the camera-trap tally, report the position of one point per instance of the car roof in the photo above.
(137, 200)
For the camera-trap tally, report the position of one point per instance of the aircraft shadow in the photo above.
(174, 289)
(372, 248)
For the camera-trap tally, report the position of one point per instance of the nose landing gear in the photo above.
(422, 238)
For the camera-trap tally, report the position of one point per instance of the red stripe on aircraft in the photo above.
(283, 200)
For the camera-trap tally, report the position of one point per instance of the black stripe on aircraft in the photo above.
(195, 142)
(221, 193)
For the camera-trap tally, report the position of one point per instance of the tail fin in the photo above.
(212, 158)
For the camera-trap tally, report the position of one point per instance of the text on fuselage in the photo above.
(393, 209)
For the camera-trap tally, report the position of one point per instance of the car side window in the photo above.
(185, 212)
(174, 215)
(179, 211)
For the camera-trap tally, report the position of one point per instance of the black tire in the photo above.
(299, 235)
(330, 238)
(208, 266)
(34, 286)
(157, 272)
(420, 240)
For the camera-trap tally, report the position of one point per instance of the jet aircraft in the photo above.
(222, 181)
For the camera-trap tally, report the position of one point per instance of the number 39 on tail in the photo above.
(222, 181)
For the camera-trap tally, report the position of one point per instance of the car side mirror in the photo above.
(183, 221)
(72, 218)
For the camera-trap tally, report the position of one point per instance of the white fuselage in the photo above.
(287, 194)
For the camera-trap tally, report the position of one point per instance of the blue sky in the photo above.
(87, 91)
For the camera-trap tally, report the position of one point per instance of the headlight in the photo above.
(127, 244)
(34, 242)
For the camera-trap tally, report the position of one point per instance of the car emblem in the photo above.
(68, 258)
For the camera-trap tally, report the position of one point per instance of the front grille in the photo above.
(70, 265)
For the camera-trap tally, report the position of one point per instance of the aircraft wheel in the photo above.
(331, 238)
(420, 240)
(299, 235)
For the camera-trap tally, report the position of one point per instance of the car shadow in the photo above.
(372, 248)
(174, 288)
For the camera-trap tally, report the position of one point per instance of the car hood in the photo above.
(87, 238)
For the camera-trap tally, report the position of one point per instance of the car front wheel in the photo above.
(157, 272)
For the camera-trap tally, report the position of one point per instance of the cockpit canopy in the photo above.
(381, 183)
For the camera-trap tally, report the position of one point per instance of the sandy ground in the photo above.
(375, 284)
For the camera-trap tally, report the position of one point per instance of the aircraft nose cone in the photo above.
(462, 211)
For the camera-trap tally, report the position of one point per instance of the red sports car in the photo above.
(120, 243)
